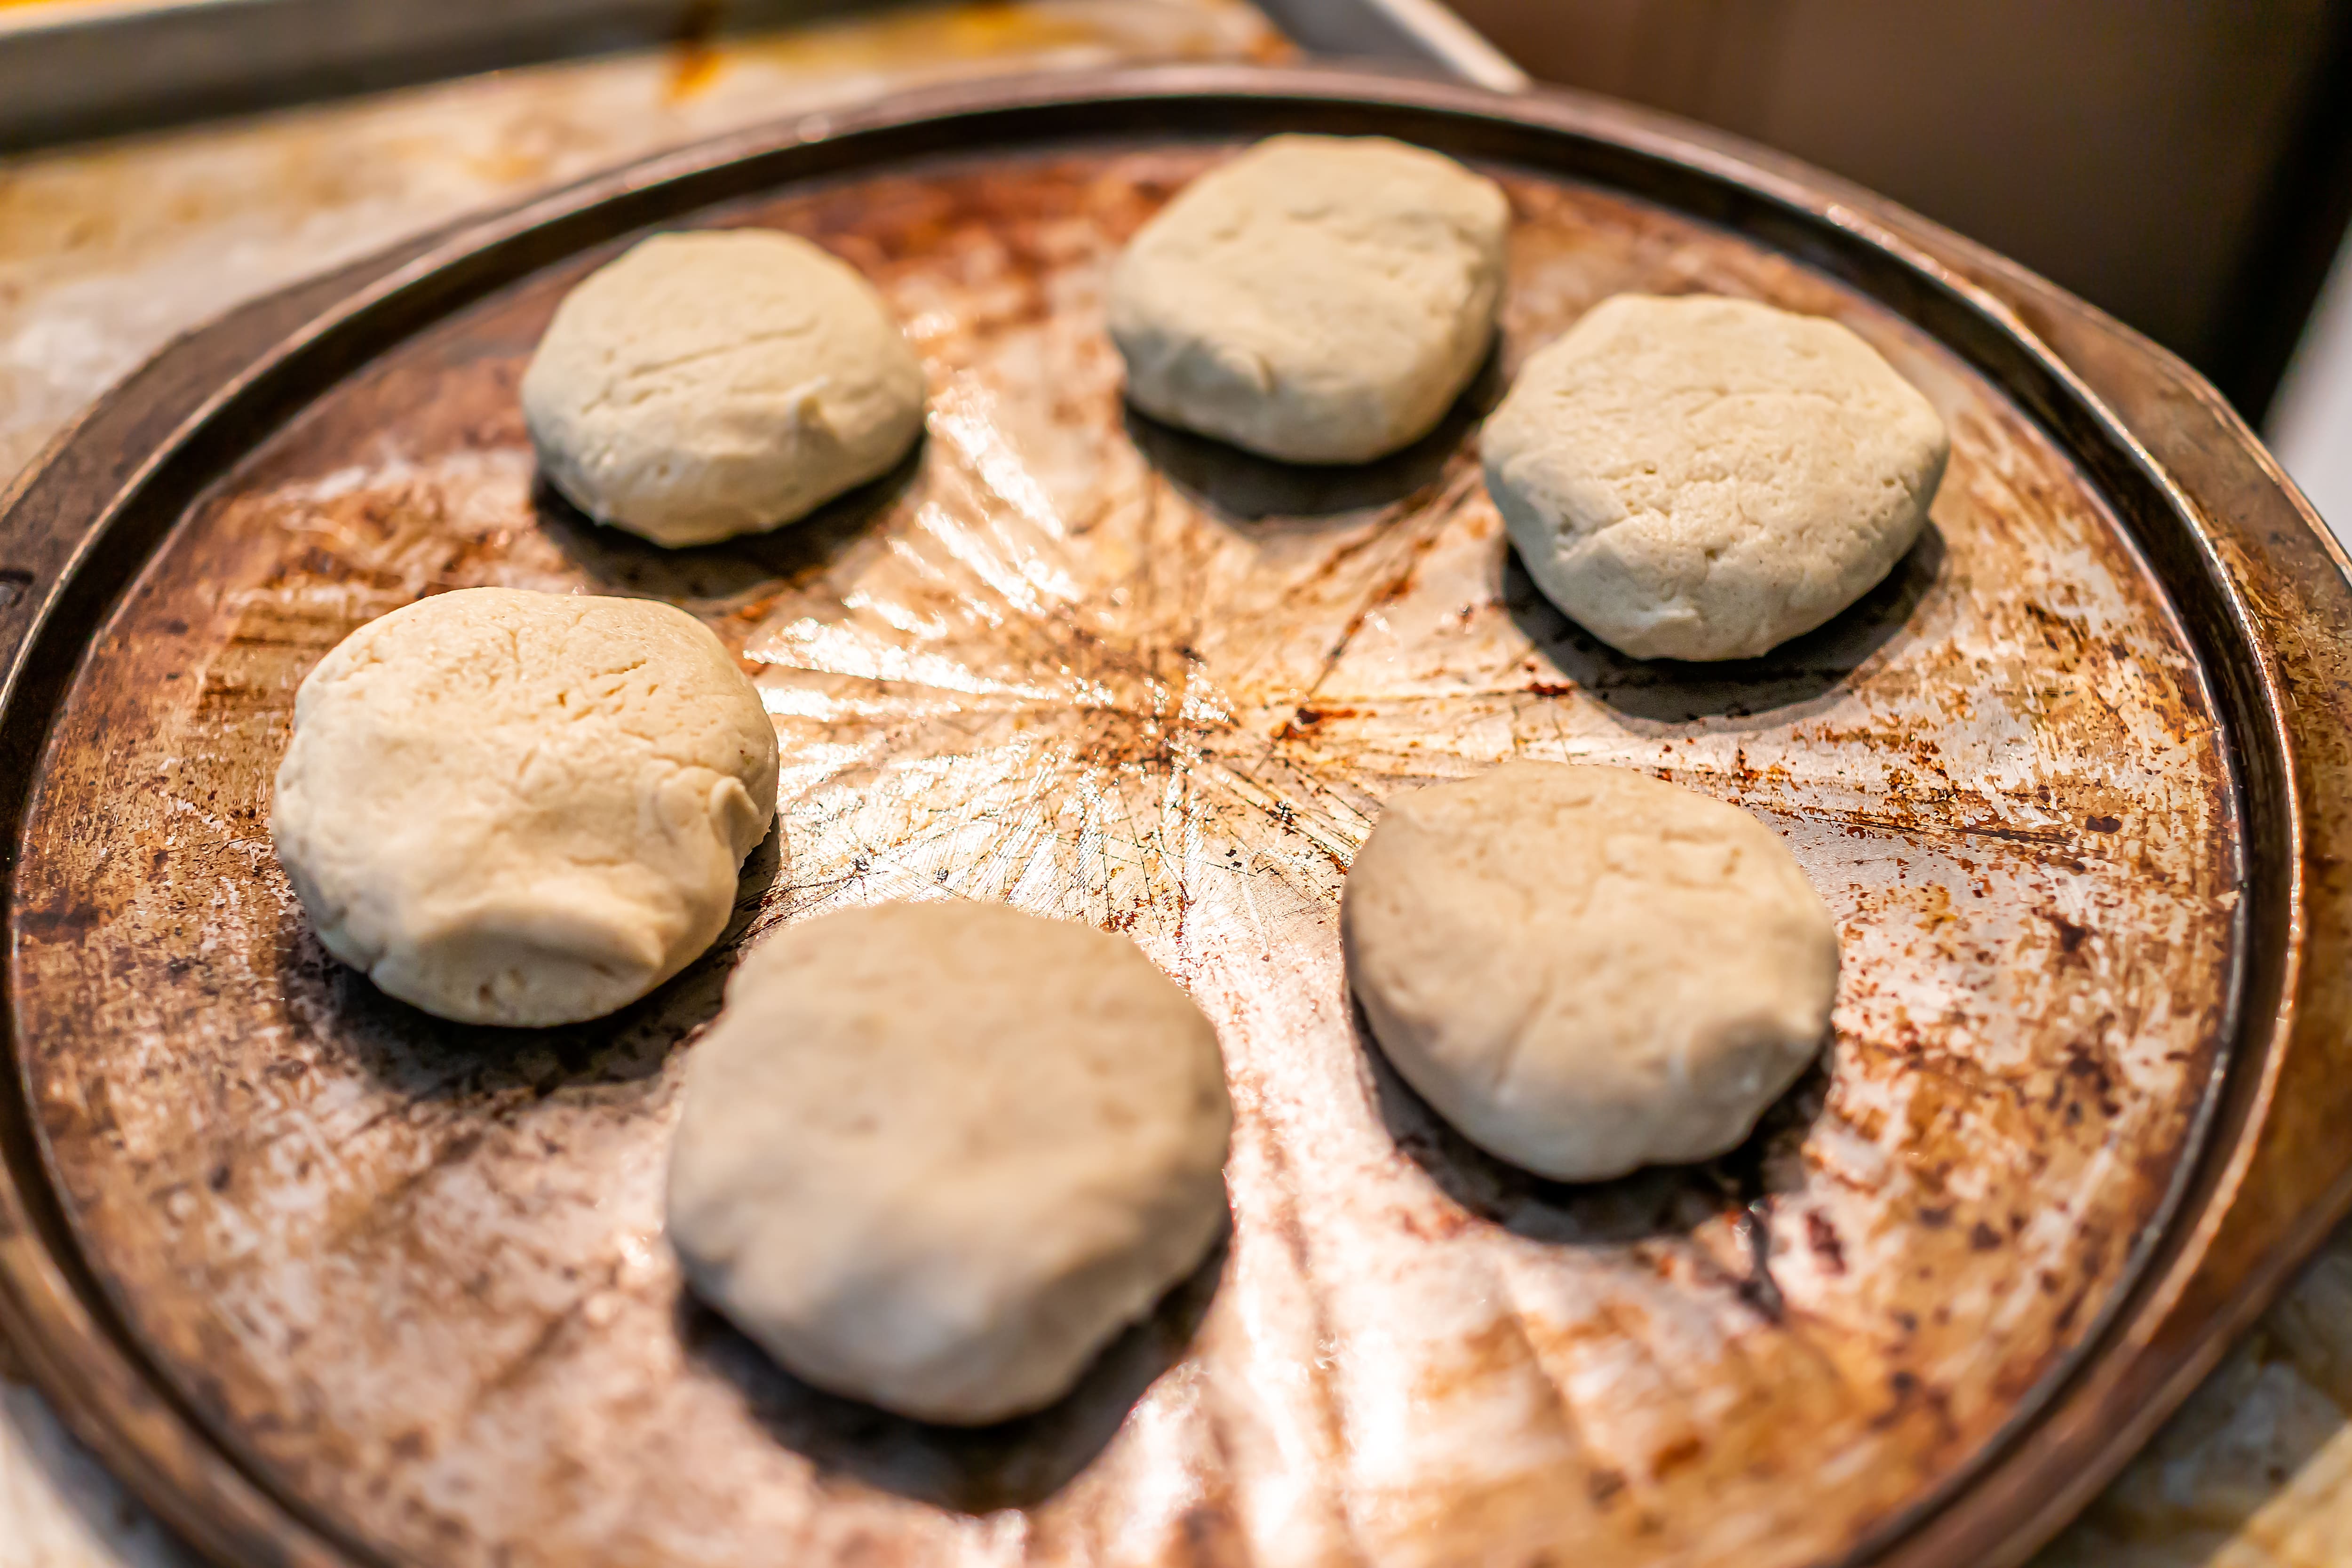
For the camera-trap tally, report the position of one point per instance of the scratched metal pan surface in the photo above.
(406, 1281)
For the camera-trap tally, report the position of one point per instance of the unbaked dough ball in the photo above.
(710, 385)
(523, 808)
(1704, 479)
(1586, 969)
(936, 1155)
(1319, 299)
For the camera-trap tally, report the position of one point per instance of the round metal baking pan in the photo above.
(329, 1283)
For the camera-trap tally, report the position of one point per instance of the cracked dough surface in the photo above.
(1705, 479)
(1588, 969)
(1318, 299)
(937, 1155)
(706, 385)
(523, 808)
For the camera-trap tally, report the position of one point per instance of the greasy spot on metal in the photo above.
(1073, 660)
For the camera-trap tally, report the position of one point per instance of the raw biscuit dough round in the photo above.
(1705, 479)
(936, 1155)
(523, 808)
(1586, 969)
(1318, 299)
(710, 385)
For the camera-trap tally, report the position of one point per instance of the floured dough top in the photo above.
(1318, 299)
(1704, 479)
(1585, 969)
(523, 808)
(710, 385)
(936, 1155)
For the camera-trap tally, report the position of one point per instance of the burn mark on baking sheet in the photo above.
(1829, 1251)
(2071, 933)
(432, 1297)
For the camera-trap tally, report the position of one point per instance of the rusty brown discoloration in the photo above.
(1101, 670)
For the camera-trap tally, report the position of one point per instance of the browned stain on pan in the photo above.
(1104, 670)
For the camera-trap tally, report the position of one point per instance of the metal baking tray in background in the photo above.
(76, 69)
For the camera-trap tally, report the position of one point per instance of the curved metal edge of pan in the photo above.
(86, 517)
(53, 1314)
